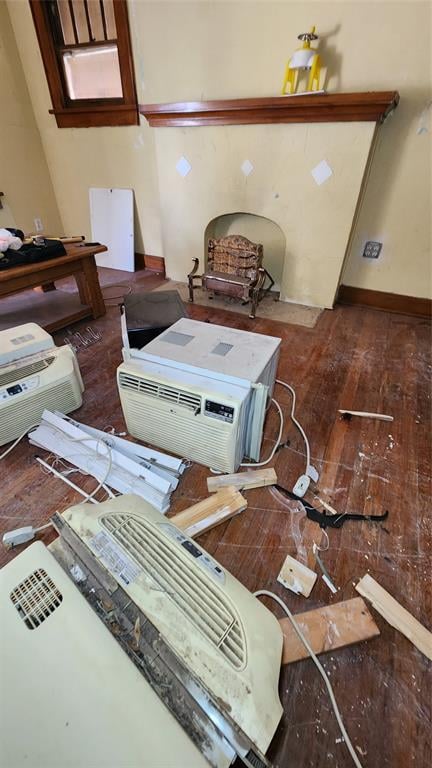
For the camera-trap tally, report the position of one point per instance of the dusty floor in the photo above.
(353, 358)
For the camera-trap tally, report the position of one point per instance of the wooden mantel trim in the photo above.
(373, 106)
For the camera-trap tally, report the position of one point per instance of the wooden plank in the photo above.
(328, 628)
(367, 415)
(210, 512)
(252, 478)
(395, 614)
(297, 577)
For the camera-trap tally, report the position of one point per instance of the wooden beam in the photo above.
(395, 614)
(210, 512)
(297, 577)
(252, 478)
(328, 628)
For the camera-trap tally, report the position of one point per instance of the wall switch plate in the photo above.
(372, 249)
(38, 225)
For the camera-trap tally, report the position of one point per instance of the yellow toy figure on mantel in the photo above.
(303, 58)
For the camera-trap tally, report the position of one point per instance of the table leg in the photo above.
(82, 288)
(92, 287)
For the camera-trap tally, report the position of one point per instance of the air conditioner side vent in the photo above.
(36, 598)
(160, 391)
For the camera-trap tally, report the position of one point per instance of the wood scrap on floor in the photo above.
(365, 415)
(297, 577)
(395, 614)
(206, 514)
(252, 478)
(328, 628)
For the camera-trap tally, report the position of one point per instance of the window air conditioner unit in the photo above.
(34, 375)
(200, 390)
(186, 676)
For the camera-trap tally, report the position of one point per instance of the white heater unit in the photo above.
(200, 390)
(34, 375)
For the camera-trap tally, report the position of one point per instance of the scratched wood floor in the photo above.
(353, 358)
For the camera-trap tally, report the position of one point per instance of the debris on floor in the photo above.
(217, 508)
(328, 628)
(93, 455)
(252, 478)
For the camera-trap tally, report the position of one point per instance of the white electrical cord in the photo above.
(109, 456)
(11, 447)
(277, 443)
(320, 668)
(297, 423)
(65, 479)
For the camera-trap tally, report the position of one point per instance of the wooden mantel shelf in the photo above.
(373, 106)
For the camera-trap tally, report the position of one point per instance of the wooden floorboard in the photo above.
(354, 358)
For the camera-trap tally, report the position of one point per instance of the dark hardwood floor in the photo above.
(354, 358)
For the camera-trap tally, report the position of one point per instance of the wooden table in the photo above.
(79, 262)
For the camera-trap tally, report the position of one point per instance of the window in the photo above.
(87, 55)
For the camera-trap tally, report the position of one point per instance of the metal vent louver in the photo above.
(36, 598)
(202, 602)
(20, 372)
(160, 391)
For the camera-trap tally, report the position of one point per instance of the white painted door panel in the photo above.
(111, 216)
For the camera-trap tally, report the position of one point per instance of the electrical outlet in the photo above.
(38, 225)
(372, 249)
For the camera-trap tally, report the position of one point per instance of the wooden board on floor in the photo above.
(252, 478)
(216, 509)
(328, 628)
(396, 615)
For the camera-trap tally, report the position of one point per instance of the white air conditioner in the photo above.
(34, 375)
(200, 391)
(190, 630)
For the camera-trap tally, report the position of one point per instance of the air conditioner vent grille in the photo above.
(18, 373)
(160, 391)
(36, 598)
(22, 411)
(195, 595)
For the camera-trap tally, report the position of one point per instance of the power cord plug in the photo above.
(21, 535)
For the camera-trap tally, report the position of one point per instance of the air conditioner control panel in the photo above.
(219, 411)
(202, 558)
(18, 388)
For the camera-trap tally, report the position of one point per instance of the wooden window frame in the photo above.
(88, 113)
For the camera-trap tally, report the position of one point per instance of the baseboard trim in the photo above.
(385, 302)
(152, 263)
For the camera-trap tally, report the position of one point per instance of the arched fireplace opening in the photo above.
(259, 229)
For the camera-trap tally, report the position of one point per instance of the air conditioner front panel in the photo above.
(215, 625)
(200, 425)
(56, 386)
(70, 696)
(169, 428)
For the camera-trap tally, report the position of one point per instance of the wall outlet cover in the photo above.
(38, 225)
(372, 249)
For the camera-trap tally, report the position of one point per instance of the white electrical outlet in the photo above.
(38, 225)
